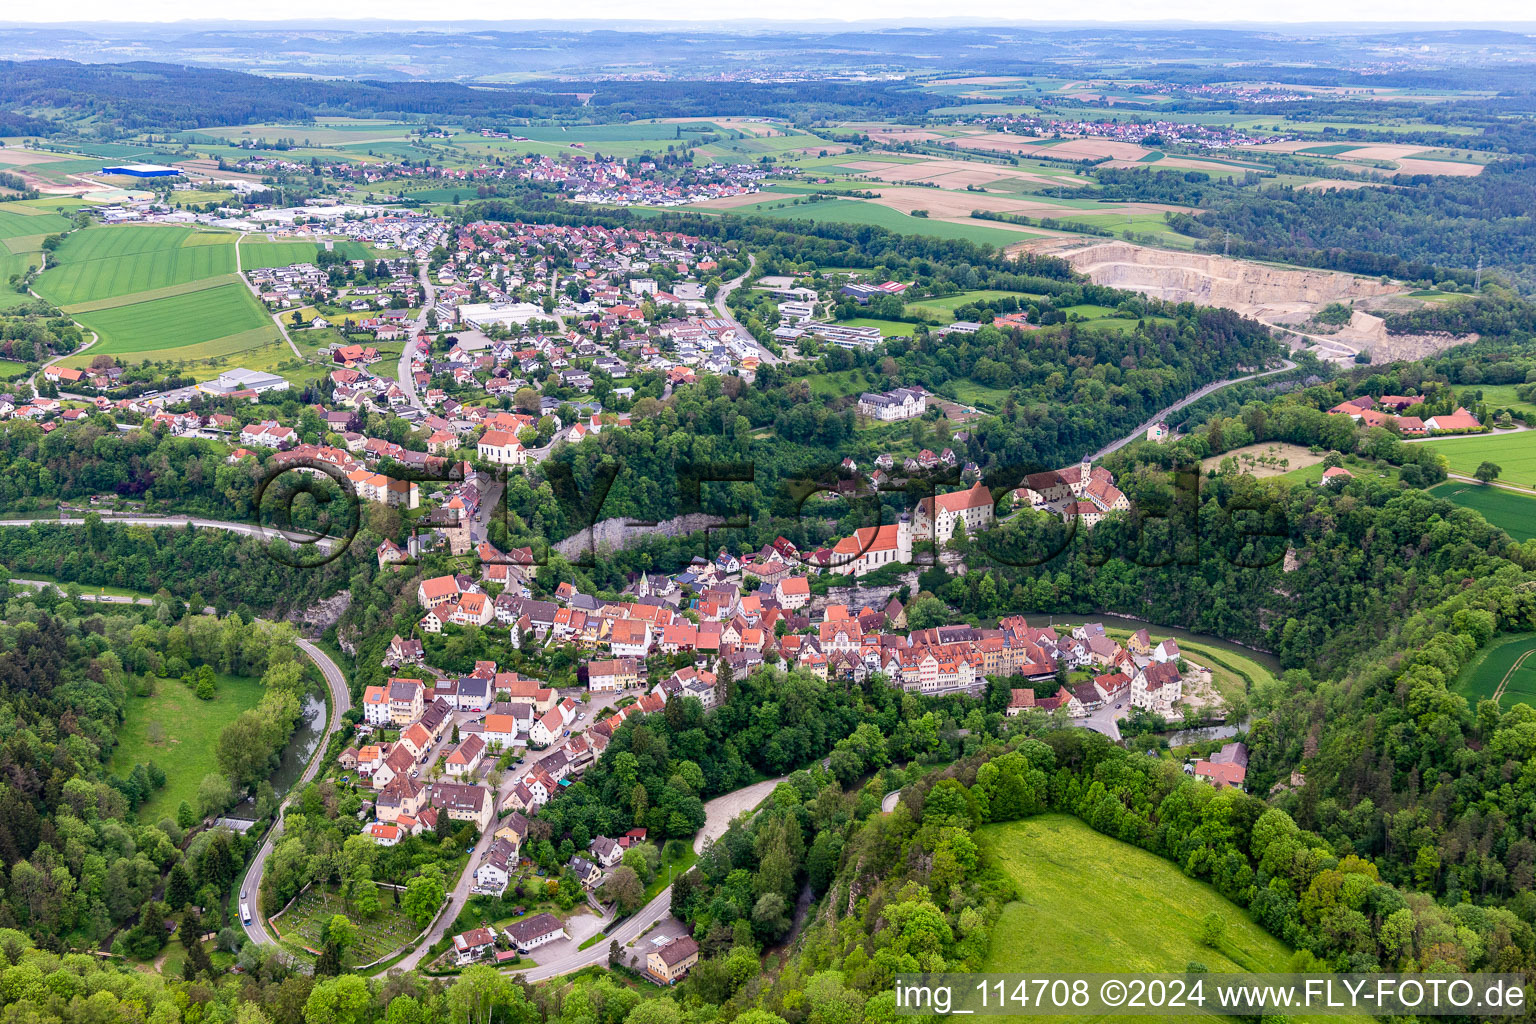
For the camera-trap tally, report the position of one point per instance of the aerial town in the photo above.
(535, 519)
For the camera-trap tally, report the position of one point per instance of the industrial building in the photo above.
(232, 381)
(143, 170)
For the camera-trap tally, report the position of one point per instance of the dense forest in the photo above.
(81, 868)
(123, 99)
(1404, 232)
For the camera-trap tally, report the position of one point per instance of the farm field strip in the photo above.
(1502, 665)
(186, 319)
(1511, 511)
(1515, 454)
(184, 288)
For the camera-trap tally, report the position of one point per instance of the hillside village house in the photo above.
(536, 931)
(616, 674)
(466, 757)
(472, 945)
(463, 802)
(671, 962)
(938, 516)
(1157, 687)
(495, 870)
(793, 592)
(502, 448)
(438, 590)
(376, 706)
(405, 701)
(1227, 767)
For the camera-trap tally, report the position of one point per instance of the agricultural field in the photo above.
(19, 221)
(1515, 454)
(613, 140)
(1511, 511)
(1056, 926)
(184, 326)
(104, 262)
(256, 253)
(326, 132)
(174, 729)
(23, 226)
(1506, 667)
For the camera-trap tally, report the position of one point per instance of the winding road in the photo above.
(341, 701)
(250, 530)
(277, 318)
(724, 311)
(1193, 396)
(718, 815)
(403, 371)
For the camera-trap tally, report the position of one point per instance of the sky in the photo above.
(84, 12)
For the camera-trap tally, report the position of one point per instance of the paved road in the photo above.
(297, 540)
(718, 815)
(97, 598)
(277, 318)
(1106, 720)
(725, 314)
(490, 504)
(341, 701)
(1463, 437)
(1193, 396)
(403, 371)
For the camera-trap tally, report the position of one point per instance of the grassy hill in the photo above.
(1091, 903)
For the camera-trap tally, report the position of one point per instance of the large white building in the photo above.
(900, 404)
(500, 314)
(937, 516)
(872, 548)
(230, 381)
(502, 448)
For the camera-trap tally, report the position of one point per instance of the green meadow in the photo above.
(1511, 511)
(1515, 454)
(1139, 914)
(943, 308)
(258, 253)
(854, 211)
(157, 326)
(176, 730)
(1503, 662)
(102, 262)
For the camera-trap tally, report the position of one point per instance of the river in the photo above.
(301, 745)
(1187, 737)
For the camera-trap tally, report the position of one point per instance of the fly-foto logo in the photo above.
(852, 524)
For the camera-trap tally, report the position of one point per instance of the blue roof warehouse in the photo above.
(143, 170)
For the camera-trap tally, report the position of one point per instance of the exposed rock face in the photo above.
(613, 534)
(1282, 297)
(1252, 288)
